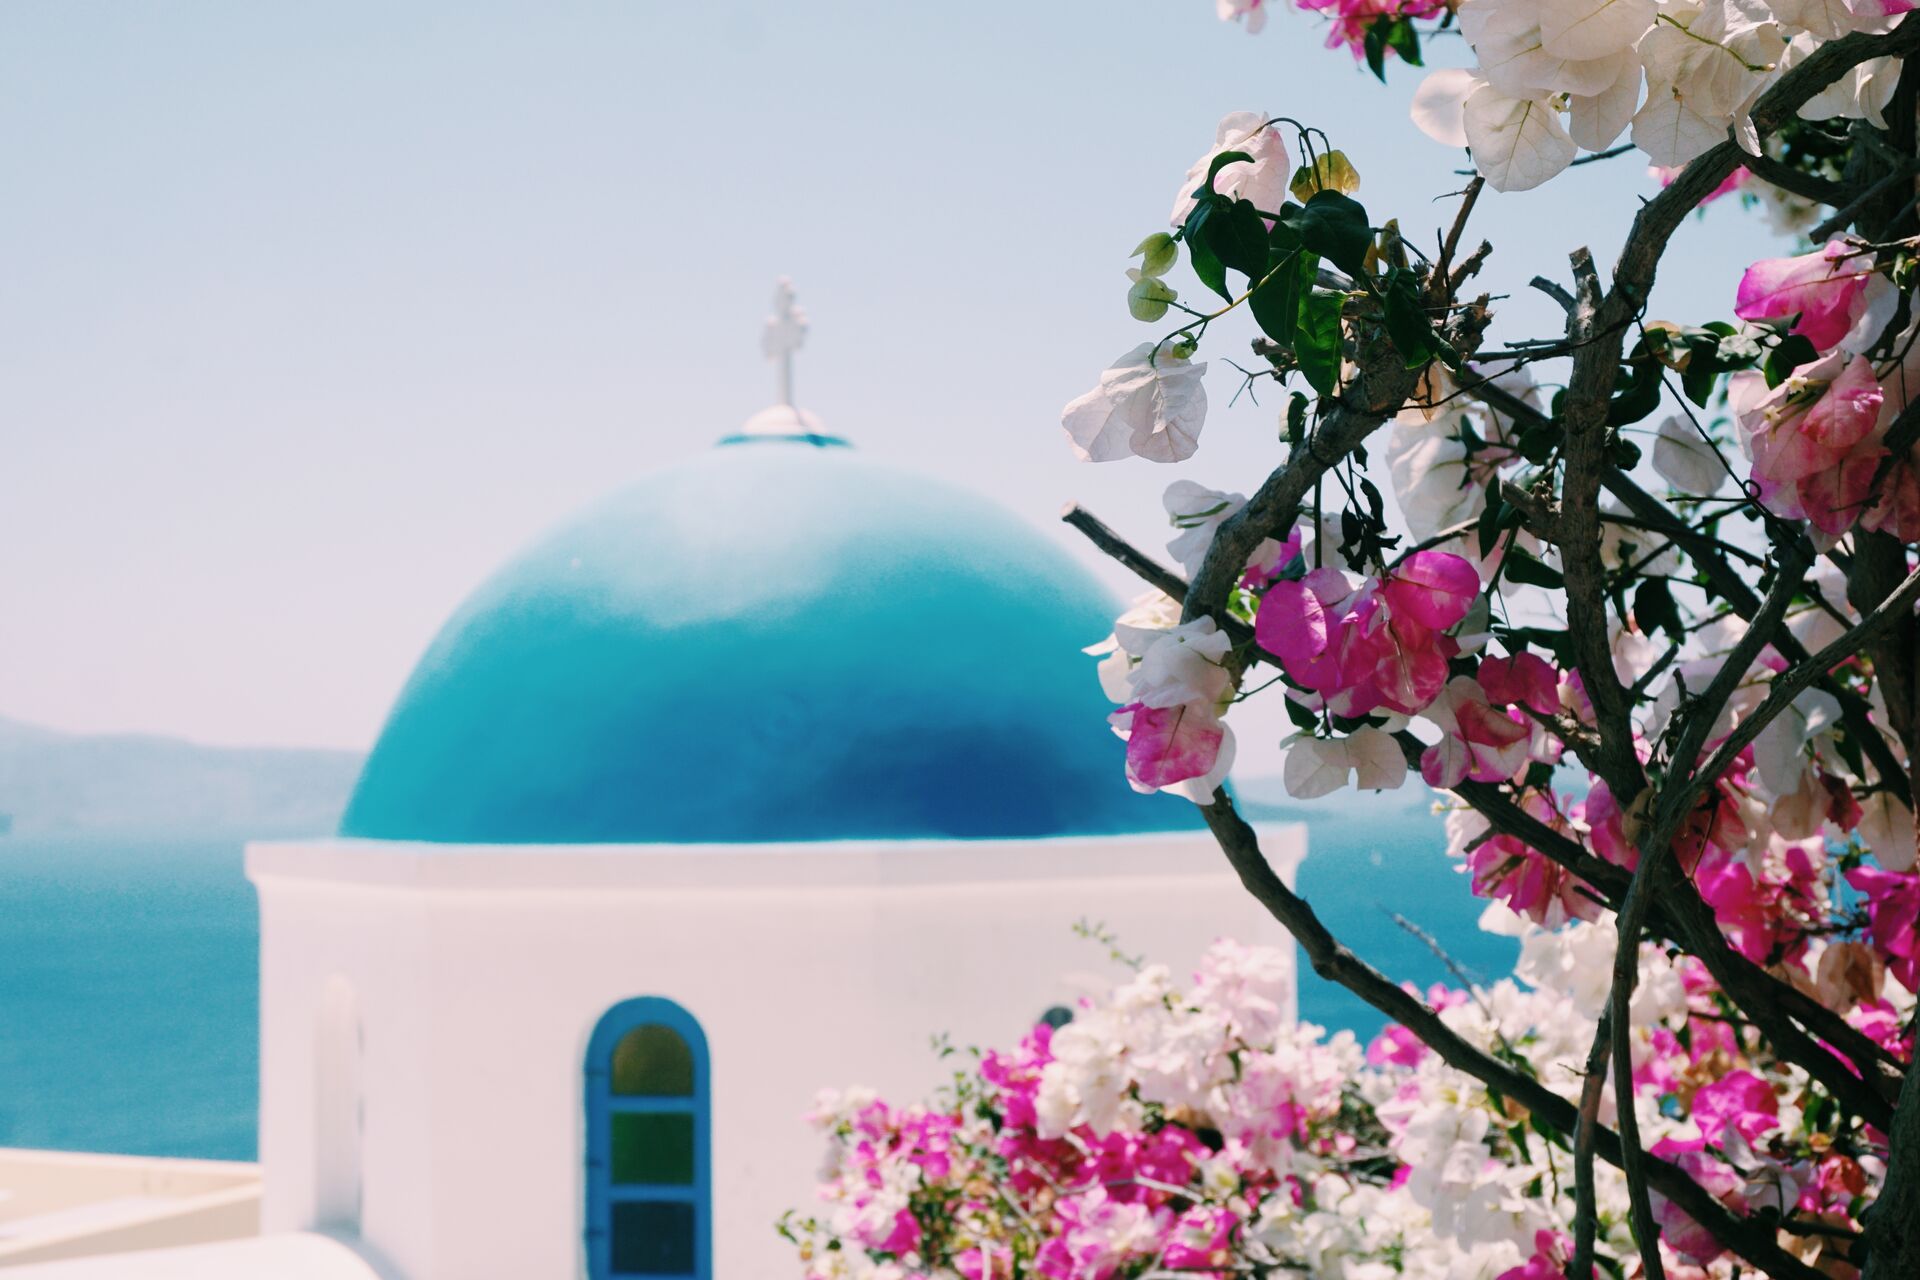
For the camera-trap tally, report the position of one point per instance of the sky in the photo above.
(311, 315)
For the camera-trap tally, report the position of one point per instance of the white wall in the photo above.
(480, 973)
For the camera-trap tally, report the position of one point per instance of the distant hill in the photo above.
(53, 782)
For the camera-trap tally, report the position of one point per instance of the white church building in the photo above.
(751, 780)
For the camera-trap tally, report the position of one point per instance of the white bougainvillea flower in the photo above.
(1149, 405)
(1831, 19)
(1439, 105)
(1133, 633)
(1685, 461)
(1518, 143)
(1706, 60)
(1477, 740)
(1592, 28)
(1886, 828)
(1861, 94)
(1183, 664)
(1595, 120)
(1263, 181)
(1252, 12)
(1368, 757)
(1780, 751)
(1436, 481)
(1196, 511)
(1517, 57)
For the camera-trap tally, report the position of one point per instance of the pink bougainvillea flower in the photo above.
(1432, 588)
(1200, 1240)
(1399, 1046)
(1552, 1253)
(1814, 439)
(1849, 410)
(1827, 288)
(1681, 1233)
(1732, 182)
(1379, 645)
(1352, 18)
(1504, 867)
(1168, 745)
(1293, 623)
(1476, 740)
(1893, 919)
(1524, 678)
(1739, 1100)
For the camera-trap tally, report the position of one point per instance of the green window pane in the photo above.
(653, 1062)
(652, 1239)
(652, 1148)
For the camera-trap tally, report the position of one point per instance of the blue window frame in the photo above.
(649, 1145)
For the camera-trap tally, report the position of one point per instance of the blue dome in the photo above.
(773, 642)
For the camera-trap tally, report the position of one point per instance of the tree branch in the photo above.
(1145, 567)
(1752, 1239)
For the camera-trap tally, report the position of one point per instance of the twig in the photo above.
(1440, 280)
(1146, 567)
(1586, 1212)
(1555, 291)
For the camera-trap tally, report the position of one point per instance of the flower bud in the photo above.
(1158, 253)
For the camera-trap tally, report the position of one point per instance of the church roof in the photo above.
(781, 640)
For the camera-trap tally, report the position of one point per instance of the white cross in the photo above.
(785, 330)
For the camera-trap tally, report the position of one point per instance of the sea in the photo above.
(129, 969)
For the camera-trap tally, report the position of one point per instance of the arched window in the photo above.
(649, 1166)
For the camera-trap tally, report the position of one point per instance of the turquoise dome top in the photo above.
(776, 641)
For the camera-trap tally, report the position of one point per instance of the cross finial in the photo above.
(785, 330)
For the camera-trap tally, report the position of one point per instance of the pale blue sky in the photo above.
(311, 314)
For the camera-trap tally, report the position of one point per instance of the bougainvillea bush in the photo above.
(1173, 1130)
(1640, 607)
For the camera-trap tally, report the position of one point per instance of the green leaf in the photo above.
(1206, 265)
(1490, 518)
(1639, 393)
(1407, 323)
(1699, 378)
(1653, 607)
(1220, 162)
(1522, 567)
(1788, 356)
(1374, 43)
(1538, 442)
(1404, 39)
(1237, 235)
(1624, 453)
(1276, 302)
(1333, 225)
(1302, 718)
(1316, 339)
